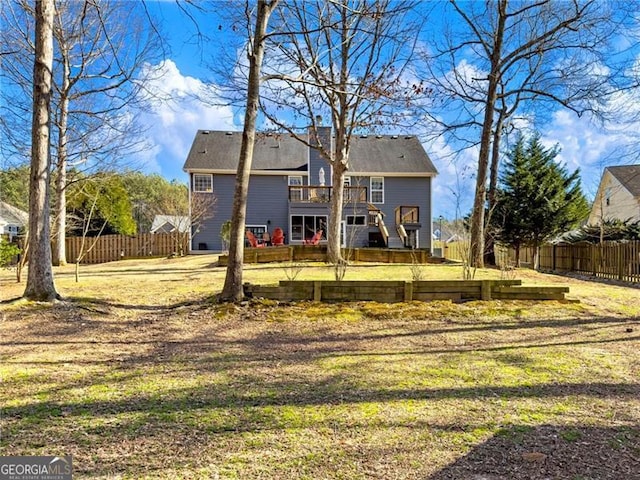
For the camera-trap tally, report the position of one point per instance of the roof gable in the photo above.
(170, 223)
(628, 176)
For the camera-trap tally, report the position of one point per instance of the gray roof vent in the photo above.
(394, 136)
(229, 133)
(364, 136)
(378, 136)
(205, 132)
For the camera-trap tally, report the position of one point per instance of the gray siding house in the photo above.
(387, 189)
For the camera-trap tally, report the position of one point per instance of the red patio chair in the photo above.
(315, 240)
(278, 237)
(253, 241)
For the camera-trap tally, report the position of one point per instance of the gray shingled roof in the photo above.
(628, 176)
(215, 150)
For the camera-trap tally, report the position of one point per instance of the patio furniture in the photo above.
(315, 240)
(253, 241)
(278, 237)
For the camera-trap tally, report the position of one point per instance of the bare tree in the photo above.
(99, 71)
(233, 289)
(98, 97)
(501, 58)
(344, 61)
(40, 285)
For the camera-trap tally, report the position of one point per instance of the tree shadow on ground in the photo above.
(551, 452)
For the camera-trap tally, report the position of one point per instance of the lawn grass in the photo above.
(139, 374)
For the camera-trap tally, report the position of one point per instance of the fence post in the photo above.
(408, 291)
(485, 290)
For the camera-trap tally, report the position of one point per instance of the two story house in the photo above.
(387, 198)
(618, 196)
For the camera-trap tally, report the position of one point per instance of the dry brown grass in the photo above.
(139, 375)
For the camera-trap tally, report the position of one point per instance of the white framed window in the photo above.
(356, 220)
(257, 230)
(347, 182)
(295, 194)
(376, 187)
(203, 182)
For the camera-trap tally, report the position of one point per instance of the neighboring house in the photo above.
(447, 235)
(389, 178)
(170, 224)
(12, 220)
(618, 195)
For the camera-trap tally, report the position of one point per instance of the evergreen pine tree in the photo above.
(538, 199)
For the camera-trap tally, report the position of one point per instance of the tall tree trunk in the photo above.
(489, 235)
(233, 289)
(339, 166)
(495, 162)
(40, 284)
(334, 249)
(477, 217)
(60, 251)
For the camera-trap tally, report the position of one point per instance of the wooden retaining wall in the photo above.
(400, 291)
(318, 253)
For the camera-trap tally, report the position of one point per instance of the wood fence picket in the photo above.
(109, 248)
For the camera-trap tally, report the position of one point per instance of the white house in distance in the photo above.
(618, 196)
(170, 224)
(12, 220)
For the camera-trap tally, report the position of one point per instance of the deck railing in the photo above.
(407, 214)
(322, 194)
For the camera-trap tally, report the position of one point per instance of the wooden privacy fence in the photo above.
(109, 248)
(612, 260)
(400, 291)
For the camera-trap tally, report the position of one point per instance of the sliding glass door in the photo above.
(304, 227)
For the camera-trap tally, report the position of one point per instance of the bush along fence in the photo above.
(318, 253)
(109, 248)
(401, 291)
(611, 260)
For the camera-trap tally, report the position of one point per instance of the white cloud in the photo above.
(176, 113)
(454, 187)
(587, 146)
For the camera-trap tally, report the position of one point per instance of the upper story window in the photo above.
(377, 189)
(203, 182)
(607, 196)
(295, 194)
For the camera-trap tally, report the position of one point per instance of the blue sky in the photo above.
(583, 144)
